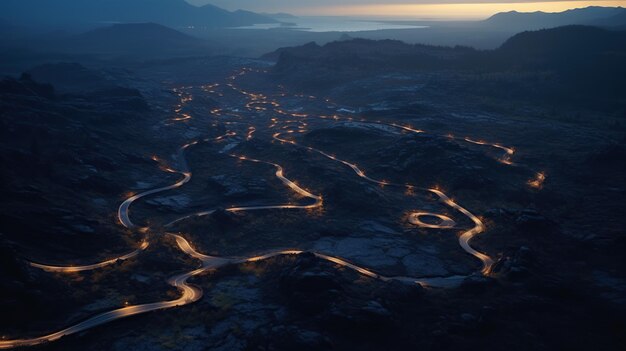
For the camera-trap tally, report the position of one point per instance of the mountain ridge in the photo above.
(172, 13)
(592, 15)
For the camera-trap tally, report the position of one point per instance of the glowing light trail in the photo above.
(189, 294)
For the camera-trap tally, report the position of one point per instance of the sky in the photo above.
(440, 9)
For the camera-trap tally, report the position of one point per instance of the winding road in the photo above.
(189, 294)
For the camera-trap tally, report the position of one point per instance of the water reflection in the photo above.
(331, 24)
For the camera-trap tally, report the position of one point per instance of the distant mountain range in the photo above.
(554, 49)
(593, 15)
(584, 62)
(173, 13)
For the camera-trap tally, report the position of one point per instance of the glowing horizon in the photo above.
(458, 9)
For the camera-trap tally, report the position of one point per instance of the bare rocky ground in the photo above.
(557, 284)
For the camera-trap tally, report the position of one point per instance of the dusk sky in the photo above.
(403, 8)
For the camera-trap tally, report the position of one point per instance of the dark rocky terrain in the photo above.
(79, 140)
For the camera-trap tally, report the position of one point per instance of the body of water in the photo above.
(330, 24)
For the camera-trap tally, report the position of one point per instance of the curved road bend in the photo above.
(123, 216)
(446, 222)
(318, 199)
(509, 151)
(123, 210)
(189, 294)
(75, 269)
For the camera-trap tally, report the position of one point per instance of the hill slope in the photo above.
(563, 43)
(618, 20)
(136, 39)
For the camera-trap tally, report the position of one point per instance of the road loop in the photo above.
(445, 222)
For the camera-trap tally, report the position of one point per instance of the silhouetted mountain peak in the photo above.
(538, 20)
